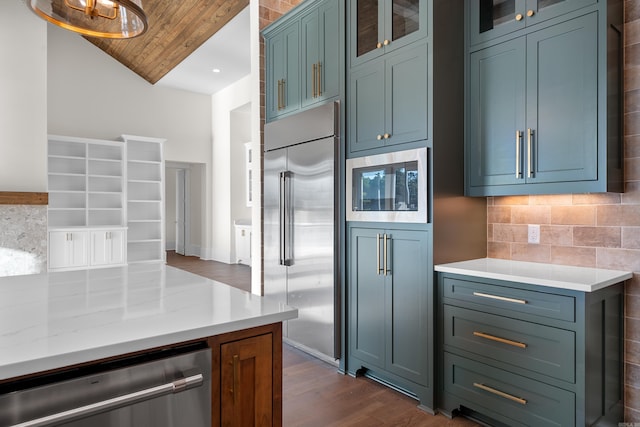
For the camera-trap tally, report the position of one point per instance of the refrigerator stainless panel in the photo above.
(308, 125)
(300, 248)
(310, 281)
(275, 275)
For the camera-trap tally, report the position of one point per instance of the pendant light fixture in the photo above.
(114, 19)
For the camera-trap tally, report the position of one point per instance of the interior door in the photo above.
(180, 211)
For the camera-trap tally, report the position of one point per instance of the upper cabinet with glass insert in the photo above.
(495, 18)
(380, 26)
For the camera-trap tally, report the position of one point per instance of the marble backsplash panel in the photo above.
(23, 239)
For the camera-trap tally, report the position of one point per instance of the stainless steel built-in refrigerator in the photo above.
(300, 238)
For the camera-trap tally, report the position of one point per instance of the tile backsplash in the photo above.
(601, 230)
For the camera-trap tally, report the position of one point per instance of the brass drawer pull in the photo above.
(498, 339)
(514, 300)
(500, 393)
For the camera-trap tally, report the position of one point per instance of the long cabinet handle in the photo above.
(501, 298)
(314, 77)
(116, 402)
(386, 255)
(279, 91)
(500, 393)
(282, 219)
(236, 387)
(319, 78)
(499, 339)
(284, 93)
(529, 150)
(518, 159)
(378, 269)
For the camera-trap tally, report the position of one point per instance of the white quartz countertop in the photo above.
(556, 276)
(54, 320)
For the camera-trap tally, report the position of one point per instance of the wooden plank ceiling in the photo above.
(176, 28)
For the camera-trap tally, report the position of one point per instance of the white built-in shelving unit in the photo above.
(145, 199)
(106, 201)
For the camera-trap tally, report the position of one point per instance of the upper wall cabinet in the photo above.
(543, 110)
(321, 44)
(304, 52)
(380, 26)
(388, 100)
(494, 18)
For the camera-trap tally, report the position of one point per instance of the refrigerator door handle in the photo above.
(285, 218)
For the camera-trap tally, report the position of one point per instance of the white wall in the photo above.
(223, 104)
(93, 95)
(240, 134)
(23, 99)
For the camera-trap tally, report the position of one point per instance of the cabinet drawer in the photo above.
(542, 349)
(513, 399)
(543, 304)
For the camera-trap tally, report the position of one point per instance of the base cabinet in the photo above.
(247, 377)
(87, 248)
(389, 325)
(517, 354)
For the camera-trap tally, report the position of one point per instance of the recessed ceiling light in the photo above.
(216, 70)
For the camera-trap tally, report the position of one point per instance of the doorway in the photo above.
(183, 207)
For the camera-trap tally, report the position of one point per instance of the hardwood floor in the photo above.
(315, 394)
(236, 275)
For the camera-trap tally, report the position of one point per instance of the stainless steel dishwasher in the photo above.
(167, 388)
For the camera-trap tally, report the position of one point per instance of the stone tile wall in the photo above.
(23, 239)
(600, 230)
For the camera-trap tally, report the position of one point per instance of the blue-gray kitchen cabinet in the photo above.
(542, 113)
(388, 100)
(494, 18)
(517, 354)
(391, 307)
(304, 63)
(322, 50)
(283, 70)
(379, 27)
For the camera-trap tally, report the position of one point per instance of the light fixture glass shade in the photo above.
(114, 19)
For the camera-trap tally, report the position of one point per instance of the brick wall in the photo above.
(600, 230)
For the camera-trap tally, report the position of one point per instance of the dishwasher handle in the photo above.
(116, 402)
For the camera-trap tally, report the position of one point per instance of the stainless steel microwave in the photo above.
(389, 187)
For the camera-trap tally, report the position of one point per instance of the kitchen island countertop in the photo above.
(583, 279)
(54, 320)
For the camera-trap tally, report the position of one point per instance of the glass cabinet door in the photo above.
(492, 18)
(367, 25)
(405, 18)
(380, 26)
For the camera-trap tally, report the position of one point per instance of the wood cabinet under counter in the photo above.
(523, 343)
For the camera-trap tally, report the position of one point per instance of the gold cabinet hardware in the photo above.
(518, 142)
(500, 298)
(279, 94)
(499, 339)
(529, 157)
(235, 390)
(319, 78)
(314, 73)
(386, 255)
(379, 137)
(386, 42)
(378, 45)
(530, 13)
(386, 136)
(500, 393)
(378, 269)
(519, 17)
